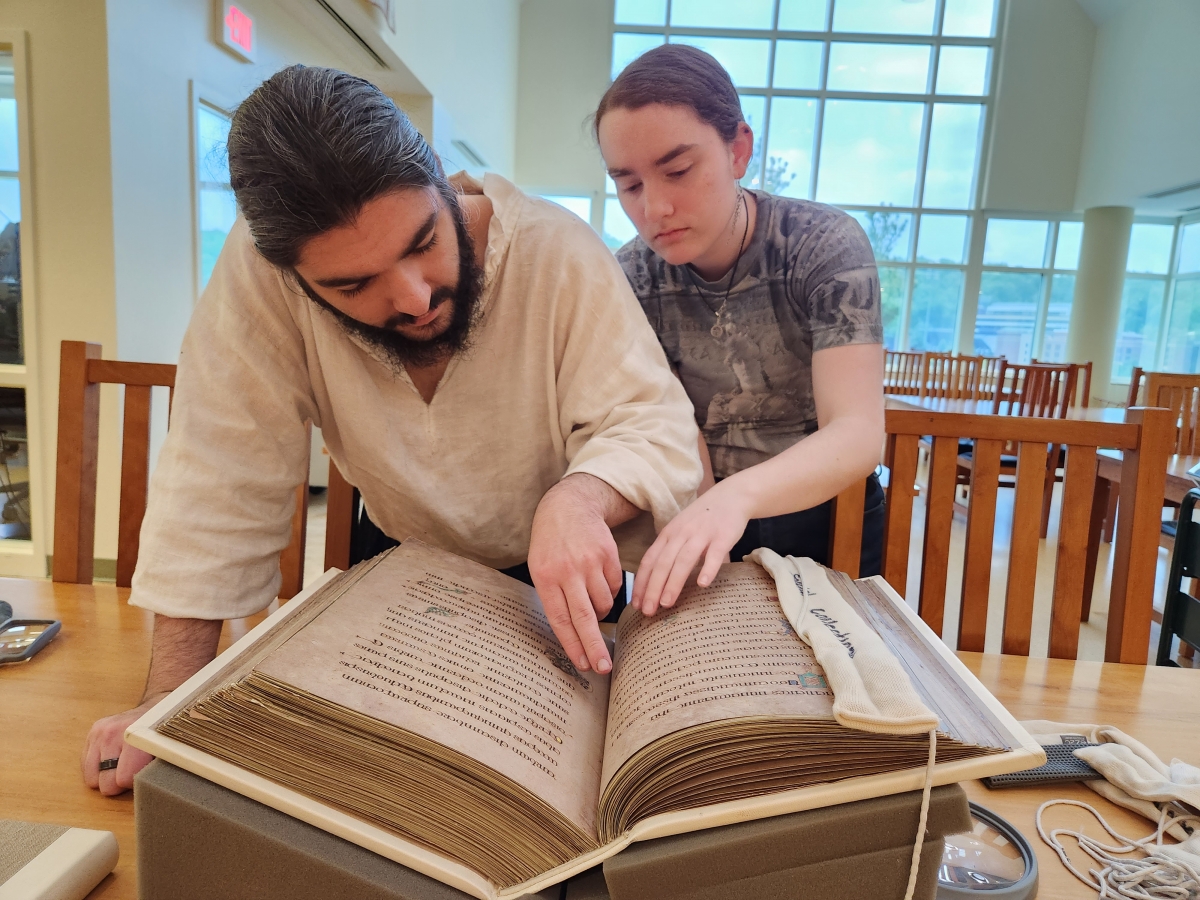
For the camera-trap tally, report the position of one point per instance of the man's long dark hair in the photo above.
(310, 147)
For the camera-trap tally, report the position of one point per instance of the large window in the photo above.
(877, 106)
(216, 207)
(1159, 324)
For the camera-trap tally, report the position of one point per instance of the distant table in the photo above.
(984, 407)
(97, 665)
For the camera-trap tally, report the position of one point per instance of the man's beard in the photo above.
(463, 297)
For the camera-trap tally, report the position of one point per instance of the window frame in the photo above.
(27, 558)
(200, 96)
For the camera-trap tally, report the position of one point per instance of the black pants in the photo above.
(368, 540)
(806, 533)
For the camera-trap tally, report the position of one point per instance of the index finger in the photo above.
(587, 625)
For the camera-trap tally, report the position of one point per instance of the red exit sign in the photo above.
(237, 29)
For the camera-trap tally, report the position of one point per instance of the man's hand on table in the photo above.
(181, 648)
(574, 564)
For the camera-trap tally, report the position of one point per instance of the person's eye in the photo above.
(428, 245)
(631, 188)
(353, 291)
(679, 173)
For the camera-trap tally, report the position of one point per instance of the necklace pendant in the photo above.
(718, 330)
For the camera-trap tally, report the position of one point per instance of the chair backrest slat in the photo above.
(1032, 458)
(1079, 481)
(950, 377)
(845, 530)
(902, 373)
(901, 460)
(939, 517)
(977, 560)
(1180, 394)
(135, 479)
(339, 519)
(1042, 390)
(1144, 439)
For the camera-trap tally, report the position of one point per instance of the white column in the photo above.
(1097, 304)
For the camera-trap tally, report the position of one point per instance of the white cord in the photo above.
(1153, 877)
(919, 844)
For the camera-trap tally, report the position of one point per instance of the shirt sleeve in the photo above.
(623, 415)
(835, 279)
(222, 494)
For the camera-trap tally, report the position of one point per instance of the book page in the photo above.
(753, 662)
(462, 655)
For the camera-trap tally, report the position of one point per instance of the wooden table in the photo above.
(98, 662)
(984, 407)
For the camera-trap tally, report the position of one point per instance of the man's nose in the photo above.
(409, 292)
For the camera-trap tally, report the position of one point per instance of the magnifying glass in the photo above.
(992, 859)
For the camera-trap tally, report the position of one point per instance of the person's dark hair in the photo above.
(310, 147)
(676, 75)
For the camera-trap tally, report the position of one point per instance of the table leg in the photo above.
(1100, 497)
(1110, 518)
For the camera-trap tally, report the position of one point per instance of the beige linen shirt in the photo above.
(564, 375)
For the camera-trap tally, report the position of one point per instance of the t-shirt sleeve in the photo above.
(222, 494)
(835, 279)
(623, 415)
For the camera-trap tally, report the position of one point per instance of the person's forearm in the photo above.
(812, 471)
(181, 648)
(597, 495)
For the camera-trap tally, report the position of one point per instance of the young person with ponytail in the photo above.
(768, 309)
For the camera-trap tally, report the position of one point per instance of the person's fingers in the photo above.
(656, 577)
(713, 560)
(681, 570)
(642, 579)
(600, 593)
(614, 575)
(587, 626)
(558, 614)
(111, 748)
(132, 761)
(89, 760)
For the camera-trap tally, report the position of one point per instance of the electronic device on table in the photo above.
(22, 638)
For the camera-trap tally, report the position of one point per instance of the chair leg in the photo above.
(1100, 497)
(1110, 518)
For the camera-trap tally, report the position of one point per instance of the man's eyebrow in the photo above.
(418, 239)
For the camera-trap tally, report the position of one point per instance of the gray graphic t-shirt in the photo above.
(806, 281)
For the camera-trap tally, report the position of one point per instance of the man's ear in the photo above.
(742, 148)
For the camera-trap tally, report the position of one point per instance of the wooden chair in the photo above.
(341, 515)
(989, 376)
(1144, 438)
(81, 373)
(950, 377)
(1181, 611)
(1181, 395)
(902, 373)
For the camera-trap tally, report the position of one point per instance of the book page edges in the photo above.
(1021, 739)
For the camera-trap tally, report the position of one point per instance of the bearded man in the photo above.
(477, 364)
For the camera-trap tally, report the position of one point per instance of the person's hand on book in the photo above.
(574, 564)
(106, 742)
(704, 532)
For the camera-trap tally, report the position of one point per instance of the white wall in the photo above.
(1041, 104)
(564, 68)
(1143, 124)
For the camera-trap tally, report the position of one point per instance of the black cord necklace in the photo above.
(718, 326)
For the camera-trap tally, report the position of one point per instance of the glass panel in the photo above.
(618, 230)
(953, 148)
(798, 64)
(1137, 331)
(754, 111)
(937, 294)
(14, 466)
(943, 239)
(892, 285)
(1150, 249)
(610, 186)
(212, 134)
(869, 152)
(218, 209)
(1058, 318)
(1189, 248)
(10, 199)
(722, 13)
(1070, 239)
(640, 12)
(802, 15)
(891, 68)
(581, 206)
(884, 16)
(968, 18)
(963, 70)
(890, 233)
(11, 342)
(1182, 353)
(628, 47)
(789, 154)
(1015, 242)
(746, 60)
(1008, 307)
(9, 155)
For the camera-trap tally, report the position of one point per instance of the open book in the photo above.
(420, 705)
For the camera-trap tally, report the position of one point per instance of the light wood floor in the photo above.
(1091, 638)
